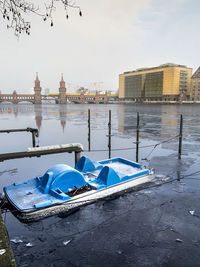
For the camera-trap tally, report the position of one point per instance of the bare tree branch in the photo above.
(14, 12)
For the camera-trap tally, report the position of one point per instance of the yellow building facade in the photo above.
(163, 83)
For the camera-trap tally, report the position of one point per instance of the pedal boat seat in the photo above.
(107, 177)
(59, 179)
(86, 165)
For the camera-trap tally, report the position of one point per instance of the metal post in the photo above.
(180, 137)
(89, 129)
(77, 156)
(33, 138)
(109, 134)
(137, 136)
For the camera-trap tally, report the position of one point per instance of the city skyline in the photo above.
(110, 38)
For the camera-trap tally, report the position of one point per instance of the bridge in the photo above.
(16, 98)
(82, 98)
(60, 98)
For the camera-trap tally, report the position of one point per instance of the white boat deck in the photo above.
(123, 168)
(120, 168)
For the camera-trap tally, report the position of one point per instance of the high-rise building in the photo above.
(167, 82)
(195, 85)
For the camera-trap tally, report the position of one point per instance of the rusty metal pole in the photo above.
(89, 129)
(109, 134)
(137, 136)
(180, 137)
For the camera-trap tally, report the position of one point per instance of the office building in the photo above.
(167, 82)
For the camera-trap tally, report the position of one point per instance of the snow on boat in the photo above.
(63, 188)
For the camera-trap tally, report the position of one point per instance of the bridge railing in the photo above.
(33, 131)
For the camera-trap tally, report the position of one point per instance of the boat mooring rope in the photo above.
(131, 148)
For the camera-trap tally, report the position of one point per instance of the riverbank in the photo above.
(153, 102)
(6, 255)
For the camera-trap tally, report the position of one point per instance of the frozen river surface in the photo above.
(157, 226)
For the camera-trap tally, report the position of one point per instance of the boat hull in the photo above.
(85, 199)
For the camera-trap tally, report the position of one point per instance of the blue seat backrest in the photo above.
(108, 176)
(86, 165)
(68, 179)
(63, 177)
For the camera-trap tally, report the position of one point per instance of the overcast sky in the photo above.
(113, 36)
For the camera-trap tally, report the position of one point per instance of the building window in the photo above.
(183, 80)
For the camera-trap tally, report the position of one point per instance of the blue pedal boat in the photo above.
(63, 188)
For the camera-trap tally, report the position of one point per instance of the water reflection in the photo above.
(63, 116)
(16, 109)
(155, 121)
(38, 110)
(150, 122)
(38, 116)
(170, 120)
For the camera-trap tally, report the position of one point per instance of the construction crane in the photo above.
(97, 86)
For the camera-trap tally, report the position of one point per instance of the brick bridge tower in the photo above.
(37, 90)
(62, 99)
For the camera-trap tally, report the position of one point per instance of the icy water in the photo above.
(138, 228)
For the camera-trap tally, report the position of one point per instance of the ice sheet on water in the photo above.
(16, 240)
(162, 177)
(147, 192)
(2, 251)
(192, 212)
(65, 243)
(178, 240)
(29, 245)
